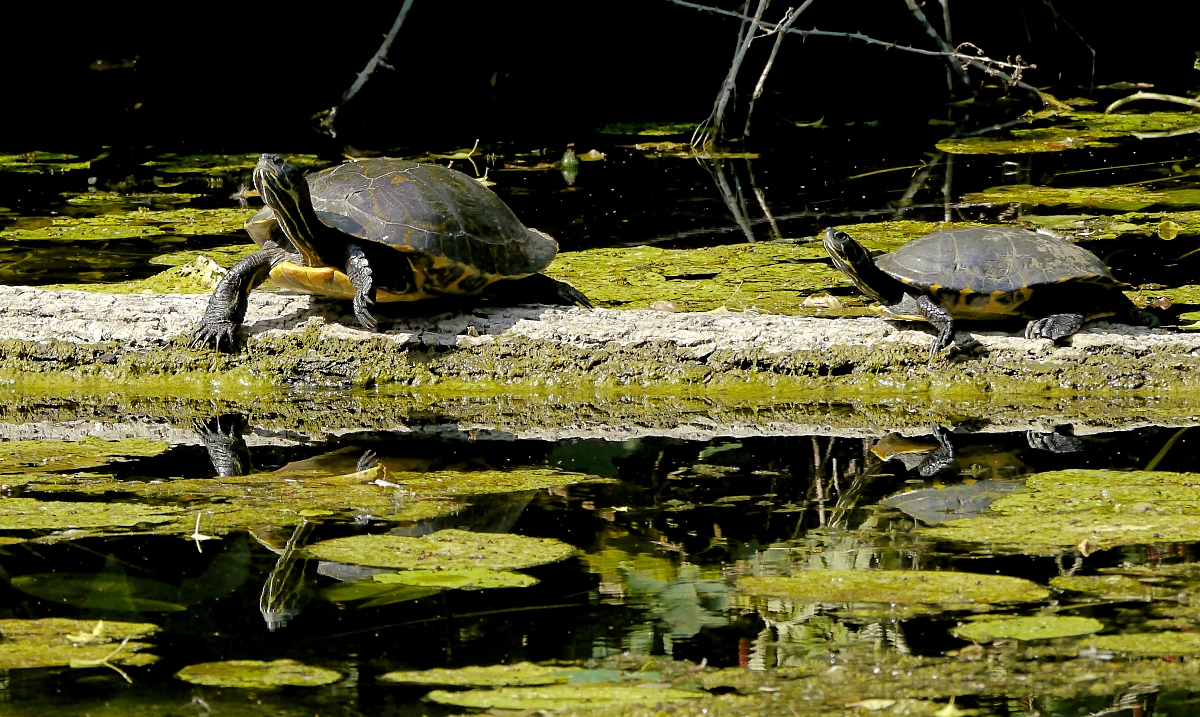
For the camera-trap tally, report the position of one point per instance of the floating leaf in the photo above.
(101, 591)
(458, 579)
(256, 674)
(1095, 509)
(55, 642)
(896, 586)
(1028, 628)
(1107, 586)
(444, 550)
(514, 675)
(1150, 643)
(31, 514)
(560, 697)
(648, 128)
(41, 162)
(30, 456)
(372, 594)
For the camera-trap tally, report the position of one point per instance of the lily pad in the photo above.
(896, 586)
(458, 579)
(1045, 627)
(257, 674)
(648, 128)
(1150, 643)
(184, 221)
(368, 593)
(199, 276)
(31, 514)
(1106, 586)
(225, 164)
(560, 697)
(57, 642)
(444, 550)
(514, 675)
(1088, 509)
(38, 456)
(456, 483)
(41, 162)
(1074, 130)
(1126, 199)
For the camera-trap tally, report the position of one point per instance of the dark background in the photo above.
(249, 77)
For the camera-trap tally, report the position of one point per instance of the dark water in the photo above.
(661, 545)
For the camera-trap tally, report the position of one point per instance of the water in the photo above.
(668, 510)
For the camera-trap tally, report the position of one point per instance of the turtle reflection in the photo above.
(986, 469)
(288, 586)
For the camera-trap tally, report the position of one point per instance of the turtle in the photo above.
(381, 230)
(988, 273)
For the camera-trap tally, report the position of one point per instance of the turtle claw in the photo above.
(211, 334)
(1053, 327)
(570, 295)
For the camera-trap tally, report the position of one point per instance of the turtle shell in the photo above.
(458, 234)
(990, 272)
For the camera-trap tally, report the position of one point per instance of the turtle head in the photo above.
(285, 190)
(853, 260)
(281, 185)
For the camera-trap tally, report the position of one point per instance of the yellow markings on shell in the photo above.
(328, 281)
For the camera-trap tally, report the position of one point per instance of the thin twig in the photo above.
(329, 116)
(1139, 95)
(780, 31)
(941, 41)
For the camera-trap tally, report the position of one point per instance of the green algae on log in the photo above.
(39, 456)
(78, 338)
(896, 586)
(257, 674)
(444, 550)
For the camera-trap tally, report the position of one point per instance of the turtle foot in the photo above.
(568, 294)
(1054, 327)
(362, 306)
(211, 334)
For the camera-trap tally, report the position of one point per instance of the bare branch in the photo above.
(987, 64)
(330, 115)
(709, 130)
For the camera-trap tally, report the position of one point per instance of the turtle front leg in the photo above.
(227, 306)
(1054, 327)
(358, 268)
(941, 320)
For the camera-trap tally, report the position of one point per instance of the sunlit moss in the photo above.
(118, 199)
(444, 550)
(198, 276)
(1108, 587)
(257, 674)
(30, 514)
(648, 128)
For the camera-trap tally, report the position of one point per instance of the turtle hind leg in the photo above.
(538, 289)
(227, 306)
(1054, 326)
(358, 268)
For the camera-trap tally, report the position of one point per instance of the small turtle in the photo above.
(380, 230)
(988, 273)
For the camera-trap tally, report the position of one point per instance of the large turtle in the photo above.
(380, 230)
(988, 273)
